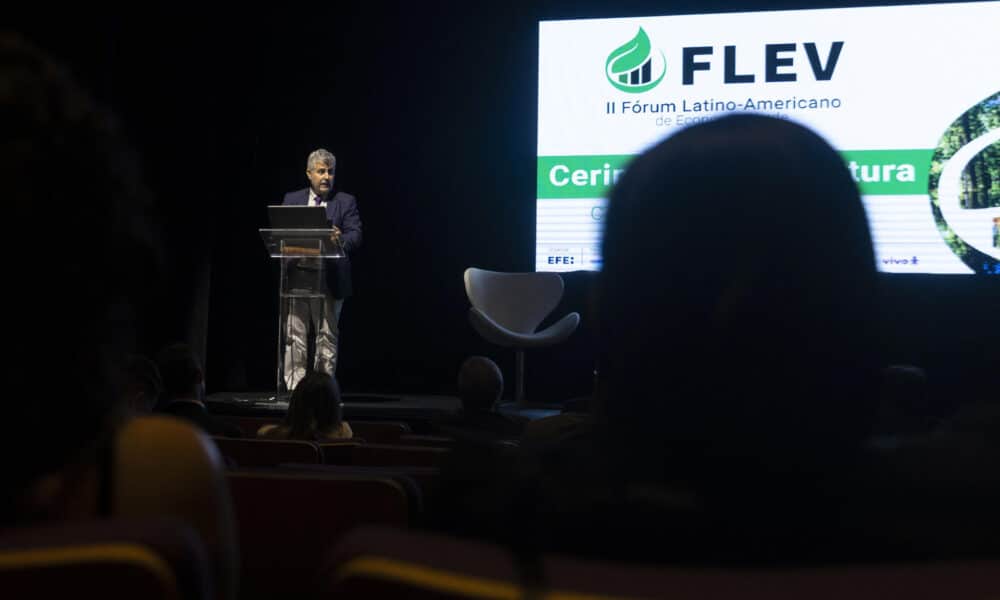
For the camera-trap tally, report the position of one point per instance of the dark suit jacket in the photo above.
(483, 425)
(198, 414)
(342, 211)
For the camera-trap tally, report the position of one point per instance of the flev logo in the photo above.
(633, 67)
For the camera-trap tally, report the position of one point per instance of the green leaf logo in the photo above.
(630, 67)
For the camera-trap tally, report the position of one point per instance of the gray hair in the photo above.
(321, 156)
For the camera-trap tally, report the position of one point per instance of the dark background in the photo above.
(431, 110)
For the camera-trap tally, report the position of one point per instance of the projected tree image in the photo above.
(966, 203)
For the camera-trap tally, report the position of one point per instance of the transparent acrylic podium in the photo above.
(302, 253)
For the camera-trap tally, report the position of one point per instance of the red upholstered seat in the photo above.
(267, 453)
(383, 455)
(287, 521)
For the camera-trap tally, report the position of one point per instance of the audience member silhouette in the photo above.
(941, 487)
(88, 269)
(737, 306)
(315, 412)
(480, 387)
(84, 257)
(576, 419)
(739, 360)
(903, 404)
(480, 384)
(184, 391)
(737, 303)
(738, 334)
(142, 385)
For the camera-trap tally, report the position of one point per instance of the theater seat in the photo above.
(382, 432)
(383, 563)
(383, 455)
(508, 307)
(267, 453)
(152, 559)
(429, 441)
(288, 520)
(165, 467)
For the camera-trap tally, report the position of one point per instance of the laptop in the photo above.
(297, 216)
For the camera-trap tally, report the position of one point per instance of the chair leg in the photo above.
(519, 378)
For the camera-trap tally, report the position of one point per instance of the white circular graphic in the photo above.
(974, 226)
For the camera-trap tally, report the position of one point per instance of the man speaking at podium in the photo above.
(322, 313)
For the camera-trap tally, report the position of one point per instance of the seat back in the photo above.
(267, 453)
(430, 441)
(287, 521)
(386, 432)
(377, 563)
(972, 580)
(420, 483)
(516, 301)
(250, 425)
(383, 455)
(150, 559)
(165, 467)
(372, 431)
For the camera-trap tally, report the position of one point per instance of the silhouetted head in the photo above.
(142, 385)
(315, 408)
(181, 372)
(480, 384)
(82, 257)
(738, 293)
(904, 401)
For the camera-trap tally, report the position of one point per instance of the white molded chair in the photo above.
(508, 307)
